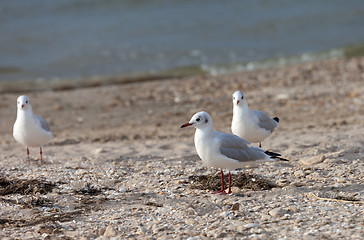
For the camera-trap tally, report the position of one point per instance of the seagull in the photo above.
(29, 129)
(251, 125)
(224, 150)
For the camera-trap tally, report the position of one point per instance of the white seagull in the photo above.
(223, 150)
(251, 125)
(29, 129)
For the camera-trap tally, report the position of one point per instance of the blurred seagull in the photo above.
(29, 129)
(251, 125)
(223, 150)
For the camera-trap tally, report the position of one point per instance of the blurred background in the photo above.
(71, 40)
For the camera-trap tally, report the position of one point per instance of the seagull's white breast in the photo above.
(27, 131)
(208, 149)
(245, 125)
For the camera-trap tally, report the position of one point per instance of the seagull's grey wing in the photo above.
(231, 141)
(43, 123)
(264, 121)
(244, 155)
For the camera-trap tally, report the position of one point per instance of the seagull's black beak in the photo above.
(186, 125)
(22, 106)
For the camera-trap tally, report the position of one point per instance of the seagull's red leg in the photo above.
(222, 181)
(229, 192)
(260, 145)
(222, 191)
(41, 158)
(28, 155)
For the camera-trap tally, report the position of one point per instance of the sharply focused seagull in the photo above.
(29, 129)
(223, 150)
(251, 125)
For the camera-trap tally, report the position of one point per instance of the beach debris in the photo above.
(312, 160)
(33, 186)
(241, 180)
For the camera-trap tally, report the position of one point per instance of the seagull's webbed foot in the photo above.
(222, 191)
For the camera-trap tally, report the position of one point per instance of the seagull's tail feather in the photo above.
(276, 119)
(275, 156)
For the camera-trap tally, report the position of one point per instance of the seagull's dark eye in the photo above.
(198, 119)
(242, 97)
(26, 101)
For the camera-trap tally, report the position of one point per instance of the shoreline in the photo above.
(59, 84)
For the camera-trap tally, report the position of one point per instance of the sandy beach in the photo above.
(120, 167)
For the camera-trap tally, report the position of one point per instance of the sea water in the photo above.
(72, 39)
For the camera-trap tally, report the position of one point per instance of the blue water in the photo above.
(72, 39)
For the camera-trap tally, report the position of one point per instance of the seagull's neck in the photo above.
(244, 109)
(25, 115)
(207, 131)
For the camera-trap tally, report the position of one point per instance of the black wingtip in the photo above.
(275, 156)
(276, 119)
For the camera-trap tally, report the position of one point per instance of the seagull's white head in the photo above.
(23, 103)
(199, 120)
(239, 98)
